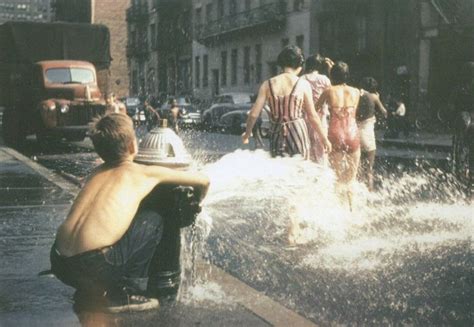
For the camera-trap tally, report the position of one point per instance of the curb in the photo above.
(254, 301)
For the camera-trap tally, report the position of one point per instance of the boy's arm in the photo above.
(379, 105)
(198, 181)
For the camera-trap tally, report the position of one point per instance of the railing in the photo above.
(266, 14)
(137, 13)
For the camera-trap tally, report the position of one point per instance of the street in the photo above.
(403, 255)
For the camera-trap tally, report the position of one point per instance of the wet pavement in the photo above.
(33, 202)
(420, 287)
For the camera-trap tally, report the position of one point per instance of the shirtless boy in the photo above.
(106, 242)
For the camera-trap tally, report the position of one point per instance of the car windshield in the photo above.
(182, 101)
(132, 102)
(70, 75)
(241, 98)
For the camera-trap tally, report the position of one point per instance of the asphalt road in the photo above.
(406, 259)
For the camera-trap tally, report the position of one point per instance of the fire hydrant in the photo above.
(176, 204)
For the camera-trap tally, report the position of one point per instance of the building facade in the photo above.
(111, 13)
(25, 10)
(236, 42)
(159, 47)
(414, 48)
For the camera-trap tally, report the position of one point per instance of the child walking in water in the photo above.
(343, 132)
(290, 99)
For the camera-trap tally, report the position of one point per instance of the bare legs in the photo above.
(367, 167)
(345, 165)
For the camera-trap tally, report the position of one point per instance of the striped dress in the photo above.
(289, 133)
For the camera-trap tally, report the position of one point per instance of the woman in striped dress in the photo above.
(290, 99)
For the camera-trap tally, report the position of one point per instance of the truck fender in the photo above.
(48, 112)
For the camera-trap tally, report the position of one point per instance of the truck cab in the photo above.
(51, 75)
(67, 98)
(55, 99)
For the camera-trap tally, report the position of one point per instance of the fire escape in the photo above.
(268, 17)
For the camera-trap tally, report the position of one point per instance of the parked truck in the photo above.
(51, 77)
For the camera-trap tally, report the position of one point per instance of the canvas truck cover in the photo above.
(28, 42)
(24, 43)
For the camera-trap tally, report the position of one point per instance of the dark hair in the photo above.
(111, 135)
(339, 73)
(315, 62)
(291, 56)
(369, 84)
(170, 101)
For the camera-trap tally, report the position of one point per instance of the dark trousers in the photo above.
(114, 268)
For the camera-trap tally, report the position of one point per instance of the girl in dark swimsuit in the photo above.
(343, 132)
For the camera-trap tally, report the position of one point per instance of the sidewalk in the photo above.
(33, 202)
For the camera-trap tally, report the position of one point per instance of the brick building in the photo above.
(111, 13)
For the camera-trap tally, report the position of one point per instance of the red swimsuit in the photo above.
(343, 132)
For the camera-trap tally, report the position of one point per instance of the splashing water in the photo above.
(416, 228)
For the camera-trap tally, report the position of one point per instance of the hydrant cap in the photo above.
(162, 147)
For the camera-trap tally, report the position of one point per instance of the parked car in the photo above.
(223, 104)
(183, 103)
(133, 105)
(190, 116)
(236, 121)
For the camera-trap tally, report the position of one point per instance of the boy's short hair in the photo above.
(369, 84)
(111, 135)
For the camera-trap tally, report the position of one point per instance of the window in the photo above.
(233, 58)
(247, 65)
(220, 8)
(300, 42)
(285, 42)
(153, 35)
(361, 23)
(247, 5)
(233, 7)
(298, 5)
(70, 76)
(198, 17)
(224, 67)
(197, 70)
(209, 12)
(258, 63)
(205, 73)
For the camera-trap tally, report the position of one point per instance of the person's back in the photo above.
(104, 208)
(108, 240)
(366, 108)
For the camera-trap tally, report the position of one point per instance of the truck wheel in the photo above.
(207, 123)
(12, 131)
(76, 137)
(45, 139)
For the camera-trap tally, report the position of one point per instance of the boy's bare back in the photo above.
(105, 207)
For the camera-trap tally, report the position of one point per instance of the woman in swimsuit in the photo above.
(343, 132)
(289, 98)
(318, 82)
